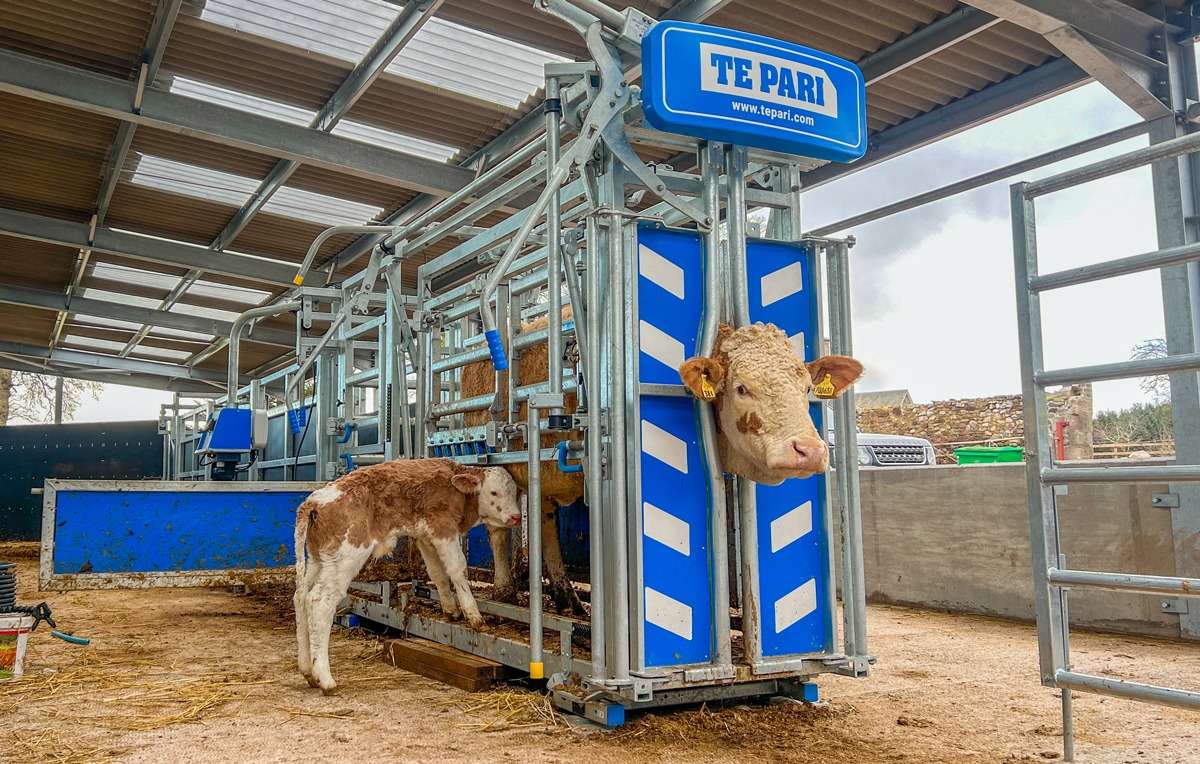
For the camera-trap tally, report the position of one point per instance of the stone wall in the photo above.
(998, 420)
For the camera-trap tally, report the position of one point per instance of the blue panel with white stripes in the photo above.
(792, 546)
(676, 555)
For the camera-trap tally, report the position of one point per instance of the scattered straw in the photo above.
(46, 746)
(503, 710)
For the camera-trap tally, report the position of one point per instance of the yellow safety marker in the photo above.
(298, 280)
(825, 388)
(537, 670)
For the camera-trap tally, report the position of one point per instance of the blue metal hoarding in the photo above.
(746, 89)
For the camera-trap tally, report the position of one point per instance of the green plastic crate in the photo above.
(989, 454)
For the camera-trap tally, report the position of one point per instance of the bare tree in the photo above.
(1158, 388)
(29, 397)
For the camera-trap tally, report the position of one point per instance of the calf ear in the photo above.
(831, 374)
(703, 376)
(467, 482)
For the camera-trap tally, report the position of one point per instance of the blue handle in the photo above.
(349, 462)
(347, 431)
(71, 638)
(297, 418)
(562, 460)
(496, 346)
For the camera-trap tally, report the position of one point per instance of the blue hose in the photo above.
(562, 460)
(70, 638)
(496, 346)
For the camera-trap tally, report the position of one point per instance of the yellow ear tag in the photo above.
(707, 391)
(825, 388)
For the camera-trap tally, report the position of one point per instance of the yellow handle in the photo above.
(537, 671)
(298, 280)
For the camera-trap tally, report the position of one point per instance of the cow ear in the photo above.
(467, 482)
(703, 376)
(832, 374)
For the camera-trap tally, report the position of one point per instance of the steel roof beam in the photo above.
(398, 34)
(393, 39)
(152, 56)
(949, 30)
(88, 360)
(16, 363)
(26, 225)
(1005, 97)
(516, 135)
(86, 306)
(1120, 46)
(99, 94)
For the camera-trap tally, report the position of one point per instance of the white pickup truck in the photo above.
(892, 450)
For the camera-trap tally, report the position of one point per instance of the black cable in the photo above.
(307, 422)
(8, 587)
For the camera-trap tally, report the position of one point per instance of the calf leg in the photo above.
(433, 564)
(455, 564)
(502, 579)
(333, 579)
(561, 592)
(300, 601)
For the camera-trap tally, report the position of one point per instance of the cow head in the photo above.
(499, 502)
(760, 389)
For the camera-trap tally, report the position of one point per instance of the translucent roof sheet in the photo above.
(319, 208)
(234, 190)
(203, 312)
(93, 343)
(441, 54)
(439, 152)
(125, 274)
(124, 299)
(167, 354)
(107, 323)
(227, 292)
(163, 331)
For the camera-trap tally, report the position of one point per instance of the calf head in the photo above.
(760, 389)
(496, 491)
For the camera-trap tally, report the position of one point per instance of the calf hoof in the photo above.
(505, 594)
(567, 600)
(331, 690)
(312, 682)
(477, 623)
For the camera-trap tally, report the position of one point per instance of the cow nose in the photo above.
(811, 453)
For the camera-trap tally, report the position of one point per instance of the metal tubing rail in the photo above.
(1120, 688)
(235, 339)
(1125, 582)
(985, 178)
(1106, 167)
(533, 490)
(477, 354)
(482, 402)
(1161, 258)
(1121, 370)
(1173, 473)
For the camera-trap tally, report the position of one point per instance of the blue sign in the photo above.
(749, 90)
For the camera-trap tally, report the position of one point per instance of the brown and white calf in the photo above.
(362, 515)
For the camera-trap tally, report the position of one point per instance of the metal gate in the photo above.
(1052, 576)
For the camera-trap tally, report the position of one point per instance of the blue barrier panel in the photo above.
(163, 533)
(750, 90)
(675, 560)
(793, 550)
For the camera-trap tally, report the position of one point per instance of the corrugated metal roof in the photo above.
(469, 73)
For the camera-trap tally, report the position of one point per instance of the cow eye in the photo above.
(742, 391)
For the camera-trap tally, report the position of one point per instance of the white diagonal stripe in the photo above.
(666, 528)
(668, 613)
(797, 343)
(796, 604)
(790, 526)
(784, 282)
(660, 270)
(659, 345)
(664, 446)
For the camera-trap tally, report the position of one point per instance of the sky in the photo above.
(933, 294)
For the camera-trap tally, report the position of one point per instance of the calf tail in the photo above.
(301, 539)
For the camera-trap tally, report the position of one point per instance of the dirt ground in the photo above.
(207, 676)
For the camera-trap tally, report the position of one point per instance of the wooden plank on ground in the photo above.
(443, 663)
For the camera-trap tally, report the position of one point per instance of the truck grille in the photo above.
(899, 454)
